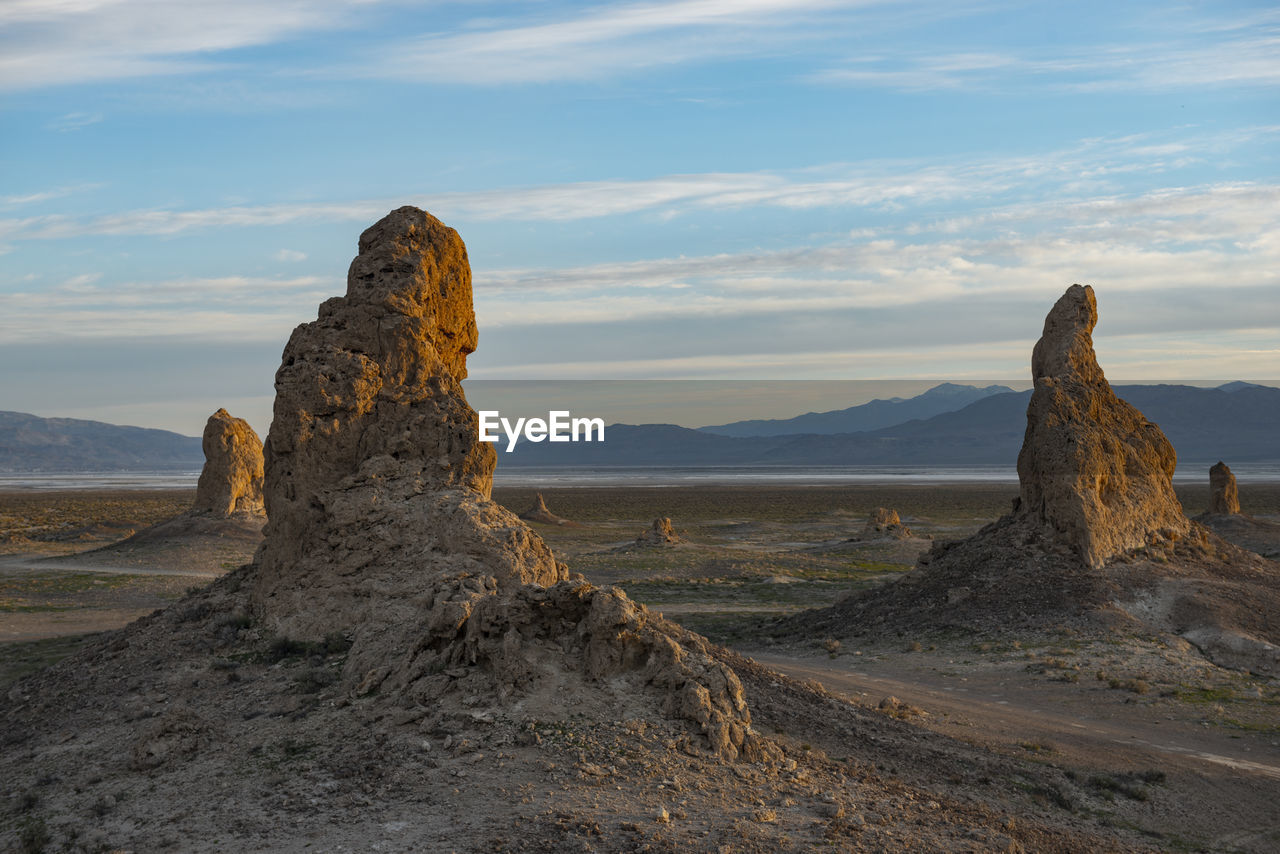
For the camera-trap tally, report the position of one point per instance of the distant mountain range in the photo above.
(1237, 422)
(875, 415)
(29, 443)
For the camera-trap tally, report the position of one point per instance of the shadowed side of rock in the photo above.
(1224, 495)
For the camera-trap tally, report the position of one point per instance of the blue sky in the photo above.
(757, 189)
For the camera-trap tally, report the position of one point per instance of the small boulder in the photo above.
(1224, 498)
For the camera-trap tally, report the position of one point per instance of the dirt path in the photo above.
(27, 563)
(1003, 713)
(1222, 786)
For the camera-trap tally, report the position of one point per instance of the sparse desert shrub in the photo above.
(832, 646)
(33, 836)
(314, 679)
(194, 611)
(914, 646)
(1137, 686)
(235, 621)
(1124, 784)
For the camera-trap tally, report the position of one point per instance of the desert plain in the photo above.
(1033, 740)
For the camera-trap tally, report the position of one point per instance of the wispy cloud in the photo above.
(71, 122)
(46, 195)
(1083, 168)
(225, 307)
(1232, 59)
(44, 43)
(606, 40)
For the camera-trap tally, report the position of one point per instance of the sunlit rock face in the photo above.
(374, 474)
(1224, 497)
(231, 481)
(381, 526)
(1093, 470)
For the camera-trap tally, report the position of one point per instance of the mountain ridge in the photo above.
(872, 415)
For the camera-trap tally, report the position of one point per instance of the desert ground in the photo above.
(1139, 737)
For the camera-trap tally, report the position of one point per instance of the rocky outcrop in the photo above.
(1224, 497)
(660, 533)
(231, 480)
(885, 522)
(539, 513)
(373, 466)
(381, 526)
(1094, 473)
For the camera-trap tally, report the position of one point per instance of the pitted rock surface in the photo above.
(1224, 497)
(1094, 472)
(381, 526)
(231, 480)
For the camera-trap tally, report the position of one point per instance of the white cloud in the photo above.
(290, 255)
(1251, 59)
(46, 195)
(875, 184)
(226, 307)
(52, 43)
(605, 40)
(75, 121)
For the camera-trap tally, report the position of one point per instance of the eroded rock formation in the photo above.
(231, 480)
(1092, 469)
(660, 533)
(381, 526)
(885, 522)
(539, 513)
(1224, 497)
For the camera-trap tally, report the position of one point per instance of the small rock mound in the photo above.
(224, 525)
(1224, 497)
(885, 522)
(1225, 518)
(539, 513)
(659, 534)
(231, 480)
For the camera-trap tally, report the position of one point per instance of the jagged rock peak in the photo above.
(231, 480)
(1224, 498)
(1093, 470)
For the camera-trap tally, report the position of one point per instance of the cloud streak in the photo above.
(875, 185)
